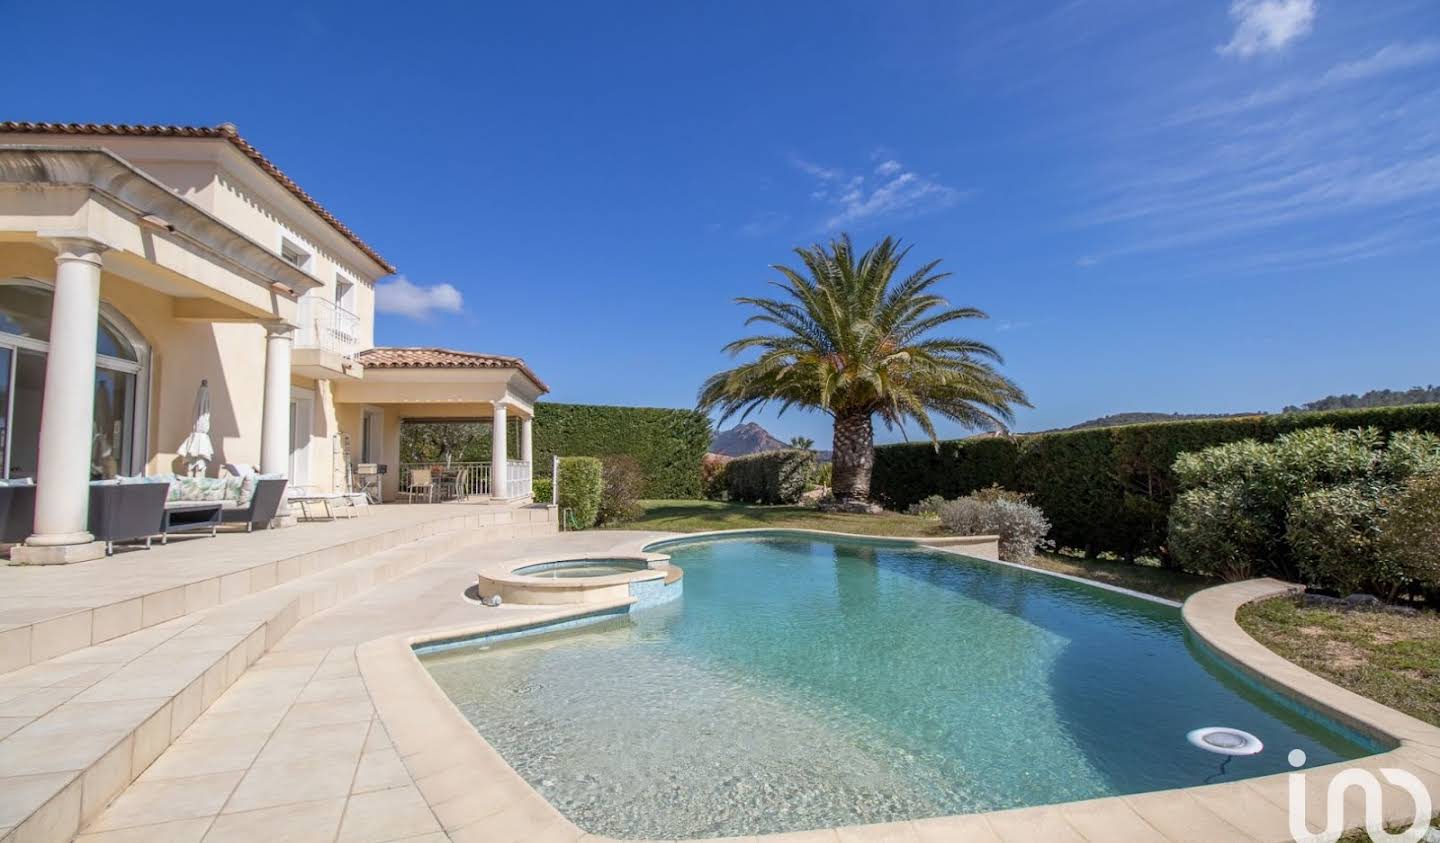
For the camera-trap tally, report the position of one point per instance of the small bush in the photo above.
(1214, 531)
(994, 492)
(825, 474)
(623, 482)
(1410, 532)
(712, 477)
(1333, 535)
(929, 507)
(540, 489)
(1020, 526)
(769, 477)
(581, 482)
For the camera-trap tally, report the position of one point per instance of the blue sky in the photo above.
(1173, 205)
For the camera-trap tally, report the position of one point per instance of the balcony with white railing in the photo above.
(434, 482)
(327, 340)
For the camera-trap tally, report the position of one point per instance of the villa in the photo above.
(198, 260)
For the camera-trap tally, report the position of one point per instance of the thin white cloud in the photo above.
(1338, 166)
(894, 191)
(402, 297)
(905, 193)
(1268, 26)
(1392, 58)
(812, 169)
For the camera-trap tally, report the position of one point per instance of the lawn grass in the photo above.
(680, 516)
(1392, 659)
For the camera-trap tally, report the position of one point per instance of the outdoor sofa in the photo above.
(134, 508)
(253, 500)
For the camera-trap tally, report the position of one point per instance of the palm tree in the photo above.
(802, 443)
(851, 343)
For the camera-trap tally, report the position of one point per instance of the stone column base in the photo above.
(60, 554)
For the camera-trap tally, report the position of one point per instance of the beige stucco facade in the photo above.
(212, 265)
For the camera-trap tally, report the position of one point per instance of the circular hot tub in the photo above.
(643, 579)
(574, 568)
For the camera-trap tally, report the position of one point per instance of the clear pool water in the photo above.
(582, 568)
(804, 684)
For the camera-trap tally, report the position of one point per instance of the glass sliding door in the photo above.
(7, 373)
(24, 422)
(118, 439)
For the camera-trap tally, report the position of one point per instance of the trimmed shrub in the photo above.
(540, 487)
(1104, 489)
(712, 477)
(581, 482)
(929, 507)
(1215, 531)
(1307, 506)
(1020, 526)
(769, 477)
(1410, 532)
(620, 495)
(667, 444)
(1334, 535)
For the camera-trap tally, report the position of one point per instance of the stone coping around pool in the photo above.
(981, 547)
(477, 796)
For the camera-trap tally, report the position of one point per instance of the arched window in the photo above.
(118, 443)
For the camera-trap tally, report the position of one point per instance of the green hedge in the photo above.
(668, 444)
(1103, 489)
(580, 486)
(769, 477)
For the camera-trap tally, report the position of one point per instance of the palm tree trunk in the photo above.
(854, 455)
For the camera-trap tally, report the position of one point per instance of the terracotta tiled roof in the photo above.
(390, 357)
(226, 131)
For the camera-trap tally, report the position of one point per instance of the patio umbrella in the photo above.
(196, 449)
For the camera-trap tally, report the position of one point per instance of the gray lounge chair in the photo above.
(17, 512)
(126, 512)
(263, 506)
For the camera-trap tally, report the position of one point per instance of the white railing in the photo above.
(328, 327)
(517, 478)
(436, 481)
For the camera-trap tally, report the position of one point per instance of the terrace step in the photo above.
(46, 613)
(80, 727)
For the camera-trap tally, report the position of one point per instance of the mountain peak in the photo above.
(744, 439)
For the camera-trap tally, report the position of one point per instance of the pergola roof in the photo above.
(391, 357)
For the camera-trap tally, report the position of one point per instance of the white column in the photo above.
(275, 423)
(499, 459)
(526, 451)
(67, 414)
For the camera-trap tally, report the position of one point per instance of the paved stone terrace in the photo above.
(295, 750)
(78, 727)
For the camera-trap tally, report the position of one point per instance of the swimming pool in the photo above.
(803, 683)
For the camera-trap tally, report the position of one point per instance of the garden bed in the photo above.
(1392, 659)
